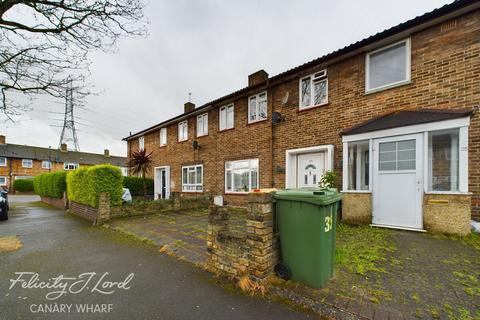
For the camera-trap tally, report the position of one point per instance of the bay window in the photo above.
(257, 107)
(192, 178)
(241, 176)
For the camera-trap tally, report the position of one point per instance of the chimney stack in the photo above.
(106, 153)
(2, 139)
(257, 78)
(189, 107)
(63, 147)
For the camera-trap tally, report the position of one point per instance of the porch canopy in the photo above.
(442, 157)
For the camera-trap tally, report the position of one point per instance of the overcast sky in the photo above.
(208, 48)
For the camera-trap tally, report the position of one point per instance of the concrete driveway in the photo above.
(55, 243)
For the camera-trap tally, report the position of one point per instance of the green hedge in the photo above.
(85, 185)
(135, 185)
(23, 185)
(51, 185)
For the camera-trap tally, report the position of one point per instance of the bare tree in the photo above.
(44, 44)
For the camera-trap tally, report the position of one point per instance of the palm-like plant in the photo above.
(140, 162)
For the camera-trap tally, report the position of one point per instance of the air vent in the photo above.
(449, 25)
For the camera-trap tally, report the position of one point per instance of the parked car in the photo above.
(4, 207)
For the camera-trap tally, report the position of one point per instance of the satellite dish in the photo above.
(195, 145)
(285, 98)
(277, 117)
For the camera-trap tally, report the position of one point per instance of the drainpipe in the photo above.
(272, 173)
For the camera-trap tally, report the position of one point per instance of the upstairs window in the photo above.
(226, 115)
(182, 131)
(46, 164)
(27, 163)
(163, 137)
(257, 107)
(388, 67)
(141, 143)
(202, 125)
(192, 178)
(70, 166)
(314, 90)
(3, 162)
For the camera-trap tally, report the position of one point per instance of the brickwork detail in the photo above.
(254, 253)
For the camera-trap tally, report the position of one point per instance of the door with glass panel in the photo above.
(310, 168)
(398, 181)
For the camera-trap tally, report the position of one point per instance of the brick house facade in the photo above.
(22, 161)
(443, 61)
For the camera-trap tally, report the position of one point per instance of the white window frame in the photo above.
(163, 137)
(312, 93)
(250, 176)
(394, 84)
(183, 131)
(44, 166)
(189, 184)
(27, 166)
(141, 143)
(3, 184)
(69, 166)
(202, 123)
(461, 123)
(124, 171)
(257, 107)
(225, 121)
(4, 164)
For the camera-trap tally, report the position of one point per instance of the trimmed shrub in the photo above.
(23, 185)
(85, 185)
(51, 185)
(135, 185)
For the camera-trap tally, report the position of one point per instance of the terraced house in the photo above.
(26, 162)
(393, 115)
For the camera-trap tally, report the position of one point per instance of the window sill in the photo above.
(202, 136)
(388, 87)
(224, 130)
(313, 107)
(182, 141)
(356, 191)
(453, 193)
(256, 121)
(193, 192)
(237, 193)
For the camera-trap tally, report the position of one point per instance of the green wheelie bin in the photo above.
(306, 222)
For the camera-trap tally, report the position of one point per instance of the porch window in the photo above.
(192, 178)
(358, 165)
(182, 131)
(163, 137)
(257, 107)
(388, 66)
(241, 176)
(3, 162)
(314, 90)
(226, 115)
(443, 159)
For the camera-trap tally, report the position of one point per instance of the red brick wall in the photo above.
(445, 74)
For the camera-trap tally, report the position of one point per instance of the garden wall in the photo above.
(253, 254)
(97, 215)
(61, 203)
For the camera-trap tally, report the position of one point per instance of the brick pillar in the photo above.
(176, 200)
(260, 235)
(103, 214)
(217, 222)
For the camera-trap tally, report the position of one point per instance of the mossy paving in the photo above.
(406, 274)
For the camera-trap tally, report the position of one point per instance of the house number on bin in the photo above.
(328, 223)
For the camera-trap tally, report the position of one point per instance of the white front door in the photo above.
(398, 181)
(162, 183)
(310, 168)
